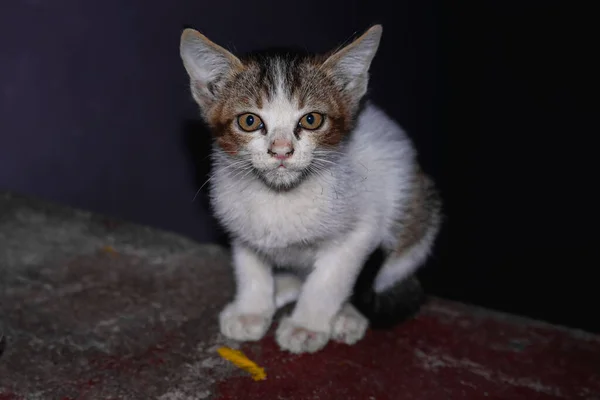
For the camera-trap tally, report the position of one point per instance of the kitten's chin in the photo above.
(282, 178)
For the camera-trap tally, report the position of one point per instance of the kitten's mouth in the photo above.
(281, 176)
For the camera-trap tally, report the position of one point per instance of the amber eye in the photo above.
(250, 122)
(311, 121)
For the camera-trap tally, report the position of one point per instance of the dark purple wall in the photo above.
(91, 107)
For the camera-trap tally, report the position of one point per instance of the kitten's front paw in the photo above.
(349, 325)
(243, 326)
(294, 338)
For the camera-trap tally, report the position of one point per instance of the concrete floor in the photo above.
(93, 308)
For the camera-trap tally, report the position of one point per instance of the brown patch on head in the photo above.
(230, 141)
(316, 86)
(227, 137)
(257, 82)
(239, 93)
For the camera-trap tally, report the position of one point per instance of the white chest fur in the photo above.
(270, 220)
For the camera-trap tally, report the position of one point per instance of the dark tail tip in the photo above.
(391, 307)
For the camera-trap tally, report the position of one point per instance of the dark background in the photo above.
(95, 113)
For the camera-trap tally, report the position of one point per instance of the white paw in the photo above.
(294, 338)
(243, 326)
(349, 325)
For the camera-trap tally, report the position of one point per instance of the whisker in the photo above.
(238, 167)
(241, 171)
(198, 191)
(323, 160)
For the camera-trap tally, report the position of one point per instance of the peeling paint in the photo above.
(434, 362)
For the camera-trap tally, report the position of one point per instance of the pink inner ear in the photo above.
(199, 87)
(202, 92)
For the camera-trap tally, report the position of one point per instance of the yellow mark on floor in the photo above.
(238, 358)
(109, 249)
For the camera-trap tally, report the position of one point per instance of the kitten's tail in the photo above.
(395, 304)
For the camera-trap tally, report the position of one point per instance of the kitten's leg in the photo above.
(328, 286)
(249, 316)
(287, 289)
(349, 325)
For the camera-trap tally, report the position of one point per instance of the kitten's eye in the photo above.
(311, 121)
(250, 122)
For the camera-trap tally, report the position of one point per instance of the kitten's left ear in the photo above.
(207, 64)
(350, 65)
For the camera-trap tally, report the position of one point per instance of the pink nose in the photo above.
(281, 149)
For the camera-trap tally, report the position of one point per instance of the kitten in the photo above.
(311, 178)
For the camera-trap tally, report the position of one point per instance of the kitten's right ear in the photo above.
(350, 65)
(207, 64)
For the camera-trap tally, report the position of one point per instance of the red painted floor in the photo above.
(448, 352)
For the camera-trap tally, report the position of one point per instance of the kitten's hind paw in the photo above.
(349, 325)
(243, 326)
(296, 339)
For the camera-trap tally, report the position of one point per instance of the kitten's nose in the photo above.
(281, 149)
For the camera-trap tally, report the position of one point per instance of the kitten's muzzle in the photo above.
(281, 149)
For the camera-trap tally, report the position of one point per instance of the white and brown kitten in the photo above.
(311, 180)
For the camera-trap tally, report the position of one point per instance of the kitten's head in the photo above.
(279, 115)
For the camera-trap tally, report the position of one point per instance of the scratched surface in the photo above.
(450, 351)
(93, 308)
